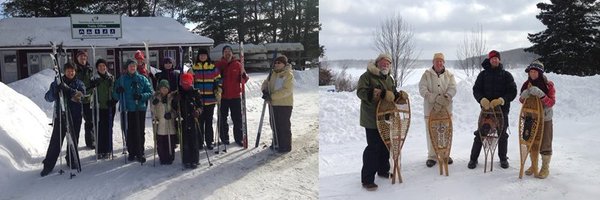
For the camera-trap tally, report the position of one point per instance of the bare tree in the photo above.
(395, 38)
(471, 52)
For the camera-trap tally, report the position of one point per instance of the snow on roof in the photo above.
(156, 31)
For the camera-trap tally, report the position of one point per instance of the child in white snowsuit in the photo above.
(162, 121)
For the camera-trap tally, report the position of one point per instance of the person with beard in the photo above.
(538, 85)
(234, 75)
(375, 85)
(74, 88)
(493, 87)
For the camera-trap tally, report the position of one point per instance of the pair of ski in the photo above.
(64, 113)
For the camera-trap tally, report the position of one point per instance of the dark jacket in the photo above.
(84, 74)
(104, 87)
(367, 82)
(74, 85)
(493, 83)
(170, 75)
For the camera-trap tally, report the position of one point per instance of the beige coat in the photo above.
(281, 87)
(165, 127)
(432, 85)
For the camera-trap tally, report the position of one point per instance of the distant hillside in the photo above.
(514, 58)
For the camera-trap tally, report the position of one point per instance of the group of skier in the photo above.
(494, 87)
(182, 106)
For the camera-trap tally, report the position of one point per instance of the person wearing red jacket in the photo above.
(233, 76)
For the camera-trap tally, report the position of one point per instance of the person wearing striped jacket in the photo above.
(207, 80)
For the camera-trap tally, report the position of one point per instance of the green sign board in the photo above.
(96, 26)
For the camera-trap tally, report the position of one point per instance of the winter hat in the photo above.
(129, 62)
(99, 61)
(139, 55)
(168, 60)
(384, 56)
(438, 56)
(283, 59)
(494, 53)
(537, 65)
(163, 83)
(203, 51)
(187, 80)
(226, 47)
(81, 52)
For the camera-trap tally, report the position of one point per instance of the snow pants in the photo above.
(136, 121)
(206, 125)
(282, 115)
(235, 106)
(502, 142)
(375, 157)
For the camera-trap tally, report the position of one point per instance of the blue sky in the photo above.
(438, 25)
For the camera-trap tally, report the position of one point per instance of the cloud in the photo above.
(438, 25)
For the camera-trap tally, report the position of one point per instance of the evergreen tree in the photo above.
(571, 42)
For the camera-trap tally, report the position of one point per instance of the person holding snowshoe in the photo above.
(85, 73)
(188, 104)
(103, 81)
(234, 75)
(493, 87)
(73, 89)
(163, 115)
(375, 85)
(279, 92)
(207, 80)
(538, 85)
(133, 90)
(437, 87)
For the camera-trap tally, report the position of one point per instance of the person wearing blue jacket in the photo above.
(73, 88)
(133, 90)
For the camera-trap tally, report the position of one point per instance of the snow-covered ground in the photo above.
(574, 170)
(256, 173)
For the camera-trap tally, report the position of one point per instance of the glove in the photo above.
(442, 100)
(155, 101)
(376, 94)
(94, 83)
(168, 116)
(497, 102)
(120, 90)
(437, 107)
(389, 96)
(137, 97)
(266, 96)
(77, 96)
(525, 94)
(485, 103)
(535, 91)
(65, 88)
(402, 97)
(197, 112)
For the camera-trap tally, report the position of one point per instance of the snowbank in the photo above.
(572, 171)
(24, 132)
(34, 88)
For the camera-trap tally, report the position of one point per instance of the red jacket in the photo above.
(232, 78)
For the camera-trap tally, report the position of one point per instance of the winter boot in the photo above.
(472, 164)
(46, 171)
(370, 186)
(450, 161)
(545, 165)
(533, 170)
(430, 163)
